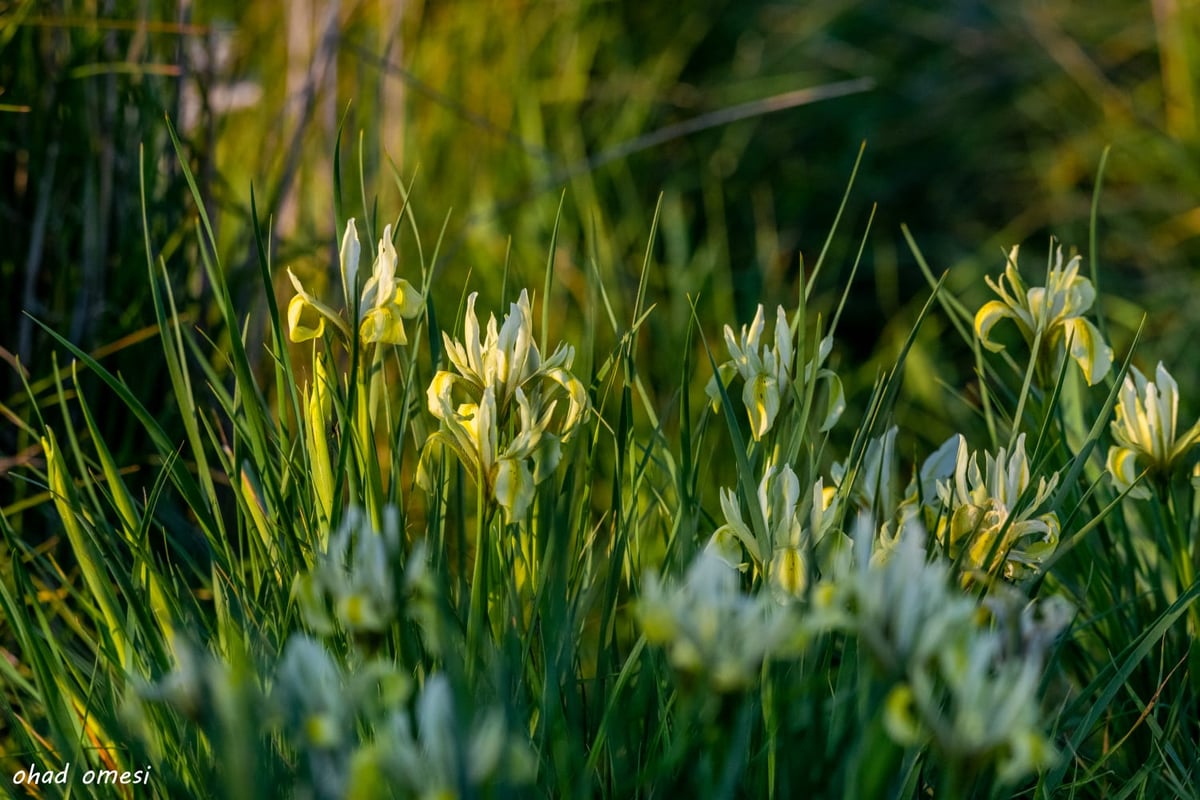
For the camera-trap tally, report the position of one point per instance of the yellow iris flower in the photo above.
(1145, 430)
(784, 555)
(385, 302)
(499, 407)
(768, 373)
(984, 504)
(1055, 311)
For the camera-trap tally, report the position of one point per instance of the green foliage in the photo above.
(479, 575)
(238, 564)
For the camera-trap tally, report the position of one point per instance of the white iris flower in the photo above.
(1055, 311)
(1145, 430)
(768, 373)
(385, 302)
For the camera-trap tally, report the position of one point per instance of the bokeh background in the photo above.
(984, 124)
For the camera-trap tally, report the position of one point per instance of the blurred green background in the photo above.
(984, 126)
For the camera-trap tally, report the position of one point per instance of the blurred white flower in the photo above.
(978, 704)
(439, 756)
(711, 628)
(958, 684)
(354, 576)
(309, 690)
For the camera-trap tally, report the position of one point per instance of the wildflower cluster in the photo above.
(322, 708)
(345, 617)
(497, 406)
(959, 685)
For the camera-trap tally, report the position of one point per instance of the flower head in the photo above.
(503, 410)
(386, 300)
(354, 576)
(1055, 311)
(711, 628)
(768, 373)
(1145, 430)
(795, 529)
(994, 523)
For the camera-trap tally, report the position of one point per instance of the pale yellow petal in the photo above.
(1122, 465)
(513, 487)
(305, 322)
(383, 325)
(1088, 348)
(985, 319)
(761, 398)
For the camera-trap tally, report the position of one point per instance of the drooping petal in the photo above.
(302, 323)
(737, 526)
(788, 572)
(1122, 465)
(835, 402)
(437, 396)
(1088, 349)
(513, 487)
(725, 373)
(305, 322)
(576, 396)
(986, 318)
(726, 546)
(383, 326)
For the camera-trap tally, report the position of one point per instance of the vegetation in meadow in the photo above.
(427, 556)
(664, 464)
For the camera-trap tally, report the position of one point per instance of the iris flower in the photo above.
(784, 555)
(1055, 311)
(507, 358)
(510, 469)
(711, 628)
(768, 372)
(385, 302)
(353, 576)
(499, 407)
(986, 503)
(1146, 430)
